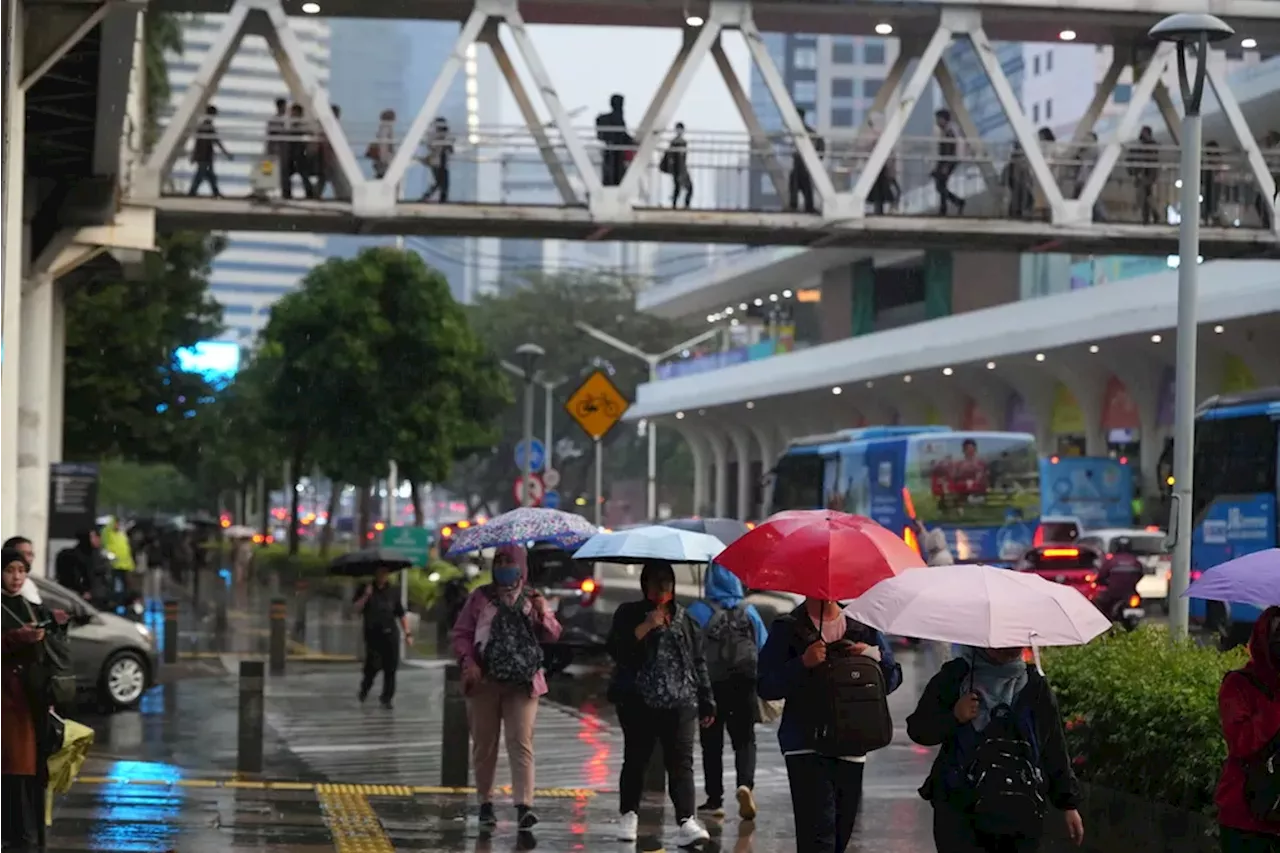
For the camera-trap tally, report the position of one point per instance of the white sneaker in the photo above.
(628, 826)
(691, 832)
(746, 803)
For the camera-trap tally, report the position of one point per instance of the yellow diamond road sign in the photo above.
(597, 405)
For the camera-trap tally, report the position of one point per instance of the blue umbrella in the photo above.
(524, 525)
(653, 542)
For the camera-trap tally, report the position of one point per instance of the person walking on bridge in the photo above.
(801, 180)
(206, 141)
(675, 162)
(619, 145)
(948, 161)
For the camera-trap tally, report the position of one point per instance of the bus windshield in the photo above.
(797, 482)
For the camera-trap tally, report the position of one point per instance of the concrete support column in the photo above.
(57, 371)
(698, 450)
(742, 452)
(34, 410)
(14, 108)
(720, 458)
(768, 458)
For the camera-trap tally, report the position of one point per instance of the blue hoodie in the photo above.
(724, 589)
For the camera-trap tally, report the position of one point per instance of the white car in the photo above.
(1148, 545)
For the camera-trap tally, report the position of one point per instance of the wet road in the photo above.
(343, 776)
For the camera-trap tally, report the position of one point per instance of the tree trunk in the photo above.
(416, 497)
(362, 515)
(331, 513)
(292, 486)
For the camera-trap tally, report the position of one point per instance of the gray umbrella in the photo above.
(727, 530)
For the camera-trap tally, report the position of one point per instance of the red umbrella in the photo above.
(818, 554)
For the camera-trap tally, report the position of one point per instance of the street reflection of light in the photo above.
(137, 817)
(578, 820)
(598, 773)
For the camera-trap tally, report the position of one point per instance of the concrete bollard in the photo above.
(252, 713)
(171, 631)
(455, 738)
(279, 613)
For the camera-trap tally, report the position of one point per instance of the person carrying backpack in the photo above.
(1004, 757)
(497, 642)
(662, 692)
(835, 675)
(732, 635)
(1248, 795)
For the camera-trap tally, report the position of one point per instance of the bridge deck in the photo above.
(695, 226)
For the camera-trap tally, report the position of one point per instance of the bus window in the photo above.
(798, 482)
(1234, 456)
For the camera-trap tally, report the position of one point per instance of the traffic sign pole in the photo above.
(550, 428)
(599, 483)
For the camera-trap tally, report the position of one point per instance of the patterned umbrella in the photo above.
(525, 524)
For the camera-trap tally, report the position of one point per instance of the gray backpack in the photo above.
(729, 643)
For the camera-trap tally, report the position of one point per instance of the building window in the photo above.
(805, 58)
(841, 87)
(1035, 112)
(873, 52)
(1035, 66)
(842, 52)
(1048, 109)
(804, 90)
(871, 87)
(1048, 61)
(1123, 93)
(842, 117)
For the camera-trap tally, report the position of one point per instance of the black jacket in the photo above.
(85, 569)
(933, 723)
(629, 654)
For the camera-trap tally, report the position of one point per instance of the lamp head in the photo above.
(528, 356)
(1187, 26)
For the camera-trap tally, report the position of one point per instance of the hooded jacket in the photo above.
(1250, 719)
(723, 589)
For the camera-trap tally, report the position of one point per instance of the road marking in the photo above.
(363, 789)
(353, 824)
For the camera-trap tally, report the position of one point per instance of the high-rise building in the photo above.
(255, 269)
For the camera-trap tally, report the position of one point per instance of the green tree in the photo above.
(543, 310)
(162, 32)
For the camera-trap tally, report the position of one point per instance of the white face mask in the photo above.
(31, 592)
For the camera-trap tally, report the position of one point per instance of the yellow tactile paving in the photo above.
(345, 788)
(352, 822)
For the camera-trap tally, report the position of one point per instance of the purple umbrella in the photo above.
(1251, 579)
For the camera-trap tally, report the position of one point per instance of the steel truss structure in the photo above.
(616, 205)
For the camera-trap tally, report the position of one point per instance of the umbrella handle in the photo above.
(1035, 651)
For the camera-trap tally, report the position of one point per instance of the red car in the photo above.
(1100, 578)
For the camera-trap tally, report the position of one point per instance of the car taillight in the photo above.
(1090, 578)
(1135, 600)
(1061, 553)
(1038, 539)
(588, 588)
(1195, 576)
(909, 536)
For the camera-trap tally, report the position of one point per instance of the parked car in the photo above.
(113, 658)
(1148, 545)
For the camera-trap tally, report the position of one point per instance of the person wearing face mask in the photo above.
(497, 641)
(1249, 705)
(662, 690)
(991, 711)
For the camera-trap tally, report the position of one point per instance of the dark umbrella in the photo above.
(727, 530)
(360, 564)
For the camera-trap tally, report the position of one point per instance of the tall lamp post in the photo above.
(1197, 32)
(653, 360)
(527, 358)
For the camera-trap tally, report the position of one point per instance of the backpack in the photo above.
(513, 654)
(1262, 770)
(1006, 784)
(666, 679)
(844, 704)
(729, 643)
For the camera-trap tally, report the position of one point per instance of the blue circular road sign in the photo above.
(551, 499)
(537, 458)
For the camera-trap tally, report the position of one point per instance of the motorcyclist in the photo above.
(1118, 577)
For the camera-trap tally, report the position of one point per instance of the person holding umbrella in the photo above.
(379, 603)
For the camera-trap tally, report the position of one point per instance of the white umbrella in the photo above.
(979, 606)
(239, 531)
(653, 542)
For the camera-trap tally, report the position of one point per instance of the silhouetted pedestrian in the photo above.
(945, 167)
(202, 153)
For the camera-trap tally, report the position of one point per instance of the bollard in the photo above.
(300, 610)
(279, 612)
(171, 631)
(249, 732)
(455, 738)
(655, 773)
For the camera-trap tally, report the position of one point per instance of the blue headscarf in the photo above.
(995, 683)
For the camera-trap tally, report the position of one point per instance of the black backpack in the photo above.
(729, 643)
(1005, 781)
(512, 654)
(1262, 769)
(844, 704)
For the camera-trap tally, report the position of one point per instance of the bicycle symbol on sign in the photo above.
(593, 404)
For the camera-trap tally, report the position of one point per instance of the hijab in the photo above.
(995, 683)
(518, 557)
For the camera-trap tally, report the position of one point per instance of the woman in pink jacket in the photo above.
(497, 641)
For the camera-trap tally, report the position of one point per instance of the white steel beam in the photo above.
(1101, 97)
(1168, 112)
(791, 120)
(63, 45)
(199, 91)
(647, 122)
(1257, 163)
(536, 129)
(1022, 129)
(761, 147)
(1125, 130)
(968, 127)
(896, 120)
(305, 86)
(886, 98)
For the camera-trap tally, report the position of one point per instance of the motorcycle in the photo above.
(1117, 597)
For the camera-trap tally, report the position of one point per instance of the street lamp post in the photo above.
(653, 360)
(1197, 31)
(527, 357)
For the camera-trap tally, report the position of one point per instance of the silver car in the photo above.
(113, 657)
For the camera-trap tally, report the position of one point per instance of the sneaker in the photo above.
(526, 818)
(628, 826)
(364, 694)
(714, 808)
(487, 817)
(746, 803)
(386, 704)
(691, 832)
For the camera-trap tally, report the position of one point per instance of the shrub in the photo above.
(1142, 713)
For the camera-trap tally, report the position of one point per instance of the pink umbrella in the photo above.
(979, 606)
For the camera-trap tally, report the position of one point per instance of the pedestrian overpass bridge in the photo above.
(1086, 197)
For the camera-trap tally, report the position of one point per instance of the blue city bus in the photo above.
(1096, 490)
(1234, 494)
(981, 488)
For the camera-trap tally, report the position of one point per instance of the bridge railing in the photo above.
(733, 172)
